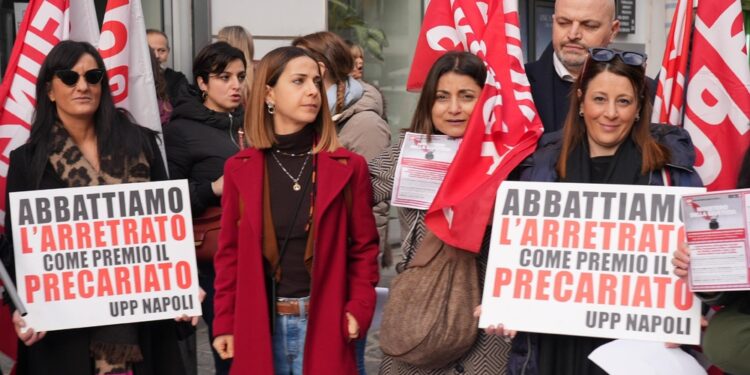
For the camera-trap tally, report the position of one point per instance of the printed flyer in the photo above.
(421, 168)
(717, 226)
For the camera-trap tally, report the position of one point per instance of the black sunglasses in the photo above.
(628, 57)
(70, 77)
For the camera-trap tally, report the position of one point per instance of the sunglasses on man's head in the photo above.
(70, 77)
(628, 57)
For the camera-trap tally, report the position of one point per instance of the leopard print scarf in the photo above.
(114, 344)
(72, 168)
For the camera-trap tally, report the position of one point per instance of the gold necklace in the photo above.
(295, 186)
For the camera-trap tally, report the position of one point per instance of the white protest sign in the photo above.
(104, 255)
(589, 260)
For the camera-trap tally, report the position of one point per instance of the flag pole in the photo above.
(10, 287)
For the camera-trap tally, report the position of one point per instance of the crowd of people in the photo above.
(293, 153)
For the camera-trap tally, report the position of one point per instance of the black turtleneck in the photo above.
(295, 280)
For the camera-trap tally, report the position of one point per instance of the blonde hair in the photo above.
(259, 123)
(241, 39)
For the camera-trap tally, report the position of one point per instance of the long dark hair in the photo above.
(117, 136)
(463, 63)
(654, 155)
(160, 82)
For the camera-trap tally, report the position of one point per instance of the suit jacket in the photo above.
(344, 272)
(549, 91)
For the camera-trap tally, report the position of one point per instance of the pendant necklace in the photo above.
(295, 186)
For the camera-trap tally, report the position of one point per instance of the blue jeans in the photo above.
(289, 342)
(360, 354)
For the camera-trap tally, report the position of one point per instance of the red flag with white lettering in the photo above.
(670, 94)
(45, 23)
(439, 34)
(124, 47)
(717, 114)
(504, 128)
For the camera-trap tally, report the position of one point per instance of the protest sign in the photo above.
(104, 255)
(716, 225)
(589, 260)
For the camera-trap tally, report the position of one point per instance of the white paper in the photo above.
(628, 357)
(716, 227)
(421, 169)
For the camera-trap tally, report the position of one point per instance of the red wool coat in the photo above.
(344, 272)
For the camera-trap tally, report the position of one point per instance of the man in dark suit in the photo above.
(577, 25)
(159, 44)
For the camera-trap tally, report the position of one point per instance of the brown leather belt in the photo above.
(291, 307)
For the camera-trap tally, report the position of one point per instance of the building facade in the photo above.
(387, 28)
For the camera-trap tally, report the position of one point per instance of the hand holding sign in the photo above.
(681, 261)
(498, 330)
(27, 335)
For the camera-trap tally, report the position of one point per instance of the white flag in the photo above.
(84, 26)
(124, 47)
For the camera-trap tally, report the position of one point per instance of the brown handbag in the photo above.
(428, 320)
(206, 234)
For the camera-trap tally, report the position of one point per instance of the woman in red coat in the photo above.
(296, 206)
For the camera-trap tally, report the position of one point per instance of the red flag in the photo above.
(124, 48)
(504, 128)
(438, 35)
(670, 94)
(717, 113)
(45, 23)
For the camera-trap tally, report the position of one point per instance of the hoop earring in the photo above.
(580, 113)
(203, 95)
(271, 108)
(637, 118)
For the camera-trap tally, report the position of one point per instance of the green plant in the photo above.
(344, 20)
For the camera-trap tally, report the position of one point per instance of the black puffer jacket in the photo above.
(198, 142)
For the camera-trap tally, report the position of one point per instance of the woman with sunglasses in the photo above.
(607, 138)
(78, 138)
(206, 129)
(297, 263)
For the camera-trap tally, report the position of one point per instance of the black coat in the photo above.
(177, 84)
(198, 142)
(67, 351)
(549, 91)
